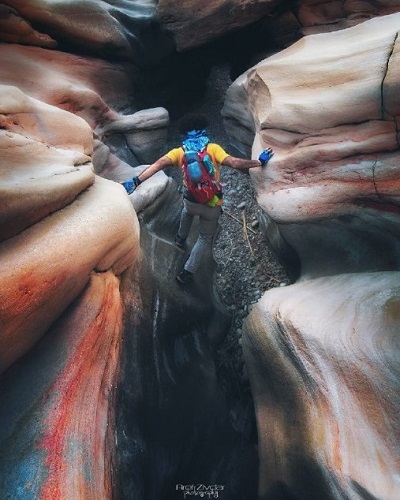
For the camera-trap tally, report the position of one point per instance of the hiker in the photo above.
(200, 161)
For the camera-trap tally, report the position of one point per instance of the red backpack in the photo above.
(199, 173)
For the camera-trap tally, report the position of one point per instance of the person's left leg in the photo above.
(208, 225)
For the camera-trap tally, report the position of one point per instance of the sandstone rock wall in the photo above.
(112, 29)
(193, 23)
(66, 236)
(323, 353)
(323, 360)
(100, 92)
(331, 115)
(53, 207)
(58, 409)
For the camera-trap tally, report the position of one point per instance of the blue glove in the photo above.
(265, 156)
(131, 185)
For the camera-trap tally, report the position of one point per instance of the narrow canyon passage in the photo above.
(174, 419)
(185, 410)
(274, 375)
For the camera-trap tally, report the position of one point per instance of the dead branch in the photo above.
(245, 235)
(238, 221)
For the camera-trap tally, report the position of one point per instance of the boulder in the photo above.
(145, 133)
(111, 167)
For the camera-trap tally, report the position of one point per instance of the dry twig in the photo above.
(238, 221)
(245, 235)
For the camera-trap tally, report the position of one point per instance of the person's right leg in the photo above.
(185, 224)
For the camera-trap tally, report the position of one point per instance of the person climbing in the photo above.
(200, 160)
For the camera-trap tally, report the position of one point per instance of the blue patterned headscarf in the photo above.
(195, 140)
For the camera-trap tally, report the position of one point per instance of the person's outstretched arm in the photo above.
(131, 184)
(242, 164)
(155, 167)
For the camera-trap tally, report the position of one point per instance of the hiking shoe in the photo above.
(184, 277)
(179, 242)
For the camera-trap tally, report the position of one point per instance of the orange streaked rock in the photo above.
(45, 267)
(59, 410)
(79, 416)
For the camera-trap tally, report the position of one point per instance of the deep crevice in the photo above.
(210, 437)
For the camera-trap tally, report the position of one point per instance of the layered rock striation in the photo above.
(58, 411)
(66, 237)
(335, 133)
(113, 29)
(67, 122)
(322, 353)
(323, 360)
(193, 24)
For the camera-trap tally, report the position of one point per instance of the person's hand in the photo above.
(265, 156)
(131, 184)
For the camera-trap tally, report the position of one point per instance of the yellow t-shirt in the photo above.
(217, 155)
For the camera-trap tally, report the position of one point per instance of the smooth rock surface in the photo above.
(58, 405)
(322, 354)
(330, 113)
(45, 155)
(100, 92)
(323, 360)
(46, 266)
(112, 28)
(59, 221)
(145, 132)
(194, 23)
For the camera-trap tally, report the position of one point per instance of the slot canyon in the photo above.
(275, 374)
